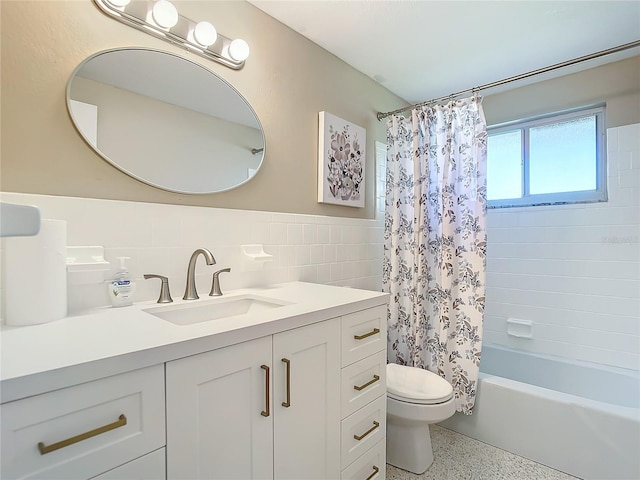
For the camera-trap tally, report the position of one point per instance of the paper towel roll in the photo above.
(36, 275)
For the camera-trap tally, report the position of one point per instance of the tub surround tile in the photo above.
(458, 457)
(572, 269)
(604, 356)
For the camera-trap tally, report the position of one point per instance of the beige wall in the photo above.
(287, 80)
(616, 83)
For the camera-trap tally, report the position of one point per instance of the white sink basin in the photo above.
(205, 311)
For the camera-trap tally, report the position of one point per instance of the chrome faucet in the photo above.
(190, 293)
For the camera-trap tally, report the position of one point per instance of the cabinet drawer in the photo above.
(84, 430)
(363, 382)
(149, 467)
(363, 430)
(370, 466)
(363, 333)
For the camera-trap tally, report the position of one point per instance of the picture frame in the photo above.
(341, 161)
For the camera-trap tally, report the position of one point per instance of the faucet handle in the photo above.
(165, 294)
(215, 284)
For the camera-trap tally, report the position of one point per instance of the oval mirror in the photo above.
(165, 120)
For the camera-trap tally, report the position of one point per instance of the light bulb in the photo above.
(165, 14)
(239, 50)
(118, 3)
(205, 34)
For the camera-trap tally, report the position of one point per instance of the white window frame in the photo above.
(586, 196)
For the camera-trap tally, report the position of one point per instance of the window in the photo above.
(547, 160)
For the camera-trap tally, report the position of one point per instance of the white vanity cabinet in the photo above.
(260, 409)
(294, 392)
(85, 430)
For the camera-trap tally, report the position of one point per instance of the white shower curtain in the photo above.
(435, 242)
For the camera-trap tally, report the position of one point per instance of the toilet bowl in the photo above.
(415, 398)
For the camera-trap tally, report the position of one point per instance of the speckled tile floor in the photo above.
(457, 457)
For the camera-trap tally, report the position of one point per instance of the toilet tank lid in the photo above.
(417, 383)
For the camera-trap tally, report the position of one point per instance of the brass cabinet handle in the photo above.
(44, 449)
(266, 413)
(287, 362)
(360, 437)
(375, 471)
(362, 387)
(372, 332)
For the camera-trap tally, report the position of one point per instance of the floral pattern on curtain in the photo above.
(435, 242)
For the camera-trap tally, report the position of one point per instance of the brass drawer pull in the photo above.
(362, 387)
(375, 472)
(360, 437)
(266, 413)
(372, 332)
(287, 362)
(44, 449)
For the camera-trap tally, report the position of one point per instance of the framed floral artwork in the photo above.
(341, 161)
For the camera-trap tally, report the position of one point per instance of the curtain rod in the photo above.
(584, 58)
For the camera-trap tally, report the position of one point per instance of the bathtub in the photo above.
(577, 417)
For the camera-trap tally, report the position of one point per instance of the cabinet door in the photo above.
(215, 423)
(307, 426)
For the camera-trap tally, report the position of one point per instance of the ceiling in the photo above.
(421, 50)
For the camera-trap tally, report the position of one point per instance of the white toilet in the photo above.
(415, 398)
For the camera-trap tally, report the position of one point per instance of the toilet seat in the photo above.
(416, 385)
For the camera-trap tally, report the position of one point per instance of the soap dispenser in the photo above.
(121, 288)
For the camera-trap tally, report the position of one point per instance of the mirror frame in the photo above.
(137, 176)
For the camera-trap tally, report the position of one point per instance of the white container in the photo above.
(36, 275)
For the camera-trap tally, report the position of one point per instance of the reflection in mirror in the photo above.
(165, 120)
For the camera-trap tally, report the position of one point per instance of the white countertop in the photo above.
(40, 358)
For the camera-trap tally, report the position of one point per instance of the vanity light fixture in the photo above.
(161, 19)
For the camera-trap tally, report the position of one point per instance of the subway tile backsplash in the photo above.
(160, 239)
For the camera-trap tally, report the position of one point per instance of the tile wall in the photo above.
(160, 239)
(573, 270)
